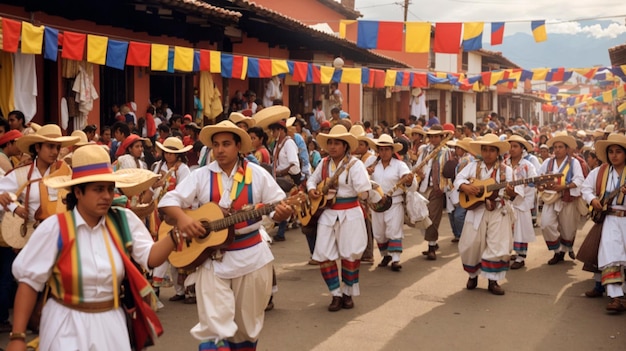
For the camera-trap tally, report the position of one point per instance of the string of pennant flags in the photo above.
(415, 36)
(566, 103)
(117, 54)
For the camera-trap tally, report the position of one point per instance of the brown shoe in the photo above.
(518, 264)
(494, 288)
(191, 300)
(431, 255)
(558, 257)
(396, 266)
(177, 298)
(346, 302)
(617, 305)
(572, 255)
(385, 261)
(425, 253)
(594, 293)
(335, 305)
(472, 283)
(455, 240)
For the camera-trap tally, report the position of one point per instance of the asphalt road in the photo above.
(424, 307)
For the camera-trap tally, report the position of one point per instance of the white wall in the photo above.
(474, 63)
(446, 62)
(469, 108)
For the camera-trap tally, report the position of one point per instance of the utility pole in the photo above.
(406, 9)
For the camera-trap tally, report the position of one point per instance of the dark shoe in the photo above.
(513, 257)
(335, 305)
(279, 238)
(518, 265)
(571, 255)
(594, 293)
(472, 283)
(5, 327)
(425, 253)
(191, 300)
(558, 257)
(616, 305)
(270, 304)
(494, 288)
(455, 240)
(346, 302)
(431, 255)
(396, 266)
(177, 298)
(385, 261)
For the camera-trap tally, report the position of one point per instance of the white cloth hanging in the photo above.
(25, 85)
(84, 89)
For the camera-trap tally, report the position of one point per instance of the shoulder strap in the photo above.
(601, 179)
(325, 163)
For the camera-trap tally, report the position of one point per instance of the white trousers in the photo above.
(565, 220)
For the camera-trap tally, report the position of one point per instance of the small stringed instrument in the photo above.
(489, 186)
(220, 231)
(597, 216)
(312, 208)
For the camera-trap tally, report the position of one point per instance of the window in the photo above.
(464, 61)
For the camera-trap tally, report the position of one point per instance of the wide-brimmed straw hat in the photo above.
(49, 133)
(385, 140)
(91, 163)
(564, 138)
(207, 133)
(130, 140)
(491, 140)
(602, 146)
(419, 130)
(270, 115)
(237, 117)
(462, 143)
(528, 146)
(338, 132)
(137, 180)
(173, 145)
(437, 129)
(83, 138)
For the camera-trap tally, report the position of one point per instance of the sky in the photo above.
(559, 14)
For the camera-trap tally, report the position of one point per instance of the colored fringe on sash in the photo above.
(553, 245)
(243, 346)
(612, 275)
(494, 266)
(350, 272)
(520, 248)
(395, 245)
(330, 274)
(221, 345)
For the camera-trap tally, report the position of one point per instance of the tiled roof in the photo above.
(203, 8)
(498, 57)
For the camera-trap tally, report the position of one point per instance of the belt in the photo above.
(89, 307)
(616, 213)
(245, 241)
(344, 203)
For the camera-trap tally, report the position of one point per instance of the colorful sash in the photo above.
(602, 181)
(240, 194)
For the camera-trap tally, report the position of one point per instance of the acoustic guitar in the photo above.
(489, 186)
(597, 216)
(220, 231)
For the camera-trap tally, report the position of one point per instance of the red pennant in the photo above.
(390, 36)
(377, 78)
(74, 46)
(205, 60)
(465, 85)
(557, 76)
(11, 34)
(486, 78)
(420, 80)
(138, 54)
(448, 38)
(265, 68)
(317, 74)
(299, 71)
(406, 77)
(237, 66)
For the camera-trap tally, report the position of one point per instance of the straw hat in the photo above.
(602, 146)
(10, 136)
(418, 130)
(610, 128)
(237, 117)
(270, 115)
(338, 132)
(462, 143)
(194, 126)
(91, 163)
(437, 129)
(130, 140)
(598, 132)
(416, 92)
(564, 138)
(385, 140)
(137, 180)
(49, 133)
(83, 138)
(520, 140)
(290, 121)
(173, 145)
(227, 127)
(491, 140)
(357, 130)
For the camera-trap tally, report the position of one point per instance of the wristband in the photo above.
(17, 336)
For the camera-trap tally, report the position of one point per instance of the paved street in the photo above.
(426, 306)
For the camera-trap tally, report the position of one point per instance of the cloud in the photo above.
(613, 30)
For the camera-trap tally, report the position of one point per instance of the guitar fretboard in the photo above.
(231, 220)
(539, 179)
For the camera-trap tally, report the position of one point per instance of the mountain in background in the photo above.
(560, 50)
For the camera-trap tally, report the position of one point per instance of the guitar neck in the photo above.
(498, 186)
(242, 216)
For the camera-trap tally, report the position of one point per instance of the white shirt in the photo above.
(525, 199)
(588, 188)
(128, 161)
(12, 181)
(197, 186)
(288, 155)
(388, 177)
(577, 173)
